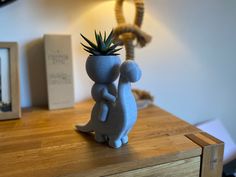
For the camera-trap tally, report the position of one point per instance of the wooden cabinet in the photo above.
(45, 144)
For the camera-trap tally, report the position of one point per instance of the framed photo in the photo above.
(9, 81)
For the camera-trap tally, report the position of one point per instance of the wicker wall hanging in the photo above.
(131, 35)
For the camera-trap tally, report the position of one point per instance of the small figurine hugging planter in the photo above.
(115, 110)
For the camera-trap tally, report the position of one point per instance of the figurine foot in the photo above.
(99, 138)
(115, 144)
(125, 139)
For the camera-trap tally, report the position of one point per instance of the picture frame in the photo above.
(9, 81)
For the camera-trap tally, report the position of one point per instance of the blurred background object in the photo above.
(5, 2)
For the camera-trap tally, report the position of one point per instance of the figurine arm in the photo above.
(106, 95)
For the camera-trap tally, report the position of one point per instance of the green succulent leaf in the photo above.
(89, 42)
(87, 47)
(89, 51)
(110, 39)
(100, 35)
(113, 51)
(113, 47)
(105, 36)
(96, 37)
(105, 45)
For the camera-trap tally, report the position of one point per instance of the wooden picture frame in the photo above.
(9, 81)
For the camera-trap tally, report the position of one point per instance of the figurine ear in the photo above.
(130, 70)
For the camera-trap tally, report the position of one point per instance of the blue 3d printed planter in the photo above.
(115, 110)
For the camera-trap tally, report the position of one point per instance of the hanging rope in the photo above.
(128, 33)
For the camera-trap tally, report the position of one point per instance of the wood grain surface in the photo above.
(181, 168)
(212, 154)
(44, 143)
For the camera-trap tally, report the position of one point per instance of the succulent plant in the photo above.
(105, 45)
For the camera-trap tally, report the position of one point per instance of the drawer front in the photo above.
(182, 168)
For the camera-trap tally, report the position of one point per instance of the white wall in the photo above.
(190, 66)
